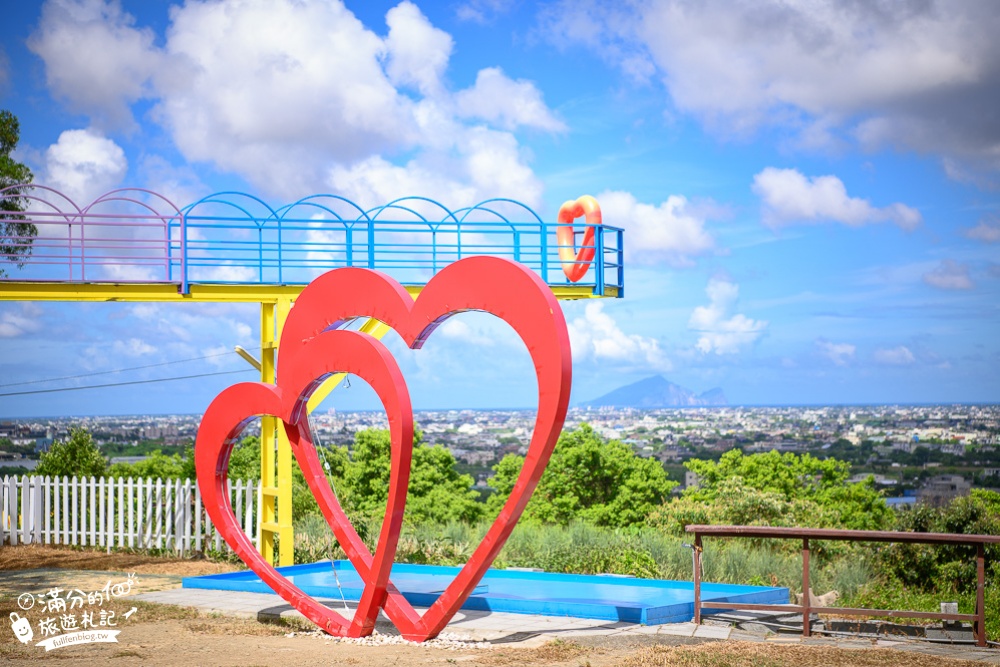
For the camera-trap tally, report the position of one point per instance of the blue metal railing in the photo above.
(236, 238)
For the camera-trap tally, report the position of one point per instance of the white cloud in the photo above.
(299, 95)
(95, 58)
(126, 272)
(597, 337)
(83, 164)
(26, 319)
(132, 347)
(670, 232)
(788, 197)
(894, 356)
(418, 52)
(178, 184)
(913, 74)
(987, 231)
(456, 329)
(486, 163)
(949, 275)
(227, 273)
(147, 312)
(482, 11)
(506, 103)
(218, 355)
(720, 332)
(243, 332)
(235, 69)
(839, 353)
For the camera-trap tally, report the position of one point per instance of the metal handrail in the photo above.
(132, 235)
(805, 534)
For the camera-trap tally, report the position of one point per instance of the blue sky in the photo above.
(809, 190)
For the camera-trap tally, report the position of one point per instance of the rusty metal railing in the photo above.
(978, 619)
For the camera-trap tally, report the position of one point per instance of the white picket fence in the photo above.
(118, 512)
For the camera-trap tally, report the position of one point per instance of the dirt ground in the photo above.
(162, 635)
(24, 557)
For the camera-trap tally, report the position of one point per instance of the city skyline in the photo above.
(810, 206)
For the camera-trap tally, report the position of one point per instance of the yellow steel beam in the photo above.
(267, 503)
(286, 544)
(275, 504)
(11, 290)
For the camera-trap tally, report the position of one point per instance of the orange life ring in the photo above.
(575, 263)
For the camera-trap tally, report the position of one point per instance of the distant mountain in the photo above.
(656, 392)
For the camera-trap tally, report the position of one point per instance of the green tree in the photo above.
(16, 233)
(77, 455)
(157, 466)
(6, 445)
(244, 464)
(597, 481)
(944, 567)
(775, 489)
(437, 492)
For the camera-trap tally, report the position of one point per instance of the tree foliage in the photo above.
(16, 234)
(77, 455)
(157, 466)
(588, 478)
(775, 489)
(437, 492)
(946, 567)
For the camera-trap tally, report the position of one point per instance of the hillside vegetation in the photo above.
(599, 508)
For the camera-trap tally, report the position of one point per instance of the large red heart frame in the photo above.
(313, 347)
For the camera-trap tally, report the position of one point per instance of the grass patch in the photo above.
(246, 627)
(892, 594)
(749, 654)
(553, 651)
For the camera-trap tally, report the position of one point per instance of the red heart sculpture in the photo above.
(498, 286)
(236, 406)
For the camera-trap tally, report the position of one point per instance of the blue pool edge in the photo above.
(489, 596)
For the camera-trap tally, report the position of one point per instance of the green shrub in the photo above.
(587, 479)
(77, 455)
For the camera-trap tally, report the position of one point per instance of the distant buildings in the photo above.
(942, 489)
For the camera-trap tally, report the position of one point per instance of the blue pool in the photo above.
(646, 601)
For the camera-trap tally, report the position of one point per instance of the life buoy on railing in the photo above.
(575, 263)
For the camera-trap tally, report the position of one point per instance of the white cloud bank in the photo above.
(20, 320)
(915, 75)
(672, 232)
(596, 337)
(84, 164)
(720, 332)
(299, 96)
(788, 197)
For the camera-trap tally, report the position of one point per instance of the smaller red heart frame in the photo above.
(312, 348)
(236, 406)
(575, 263)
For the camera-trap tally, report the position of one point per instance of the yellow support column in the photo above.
(286, 543)
(267, 516)
(275, 511)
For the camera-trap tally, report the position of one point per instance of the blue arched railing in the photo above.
(135, 235)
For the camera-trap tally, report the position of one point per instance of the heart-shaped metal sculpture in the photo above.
(236, 406)
(494, 285)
